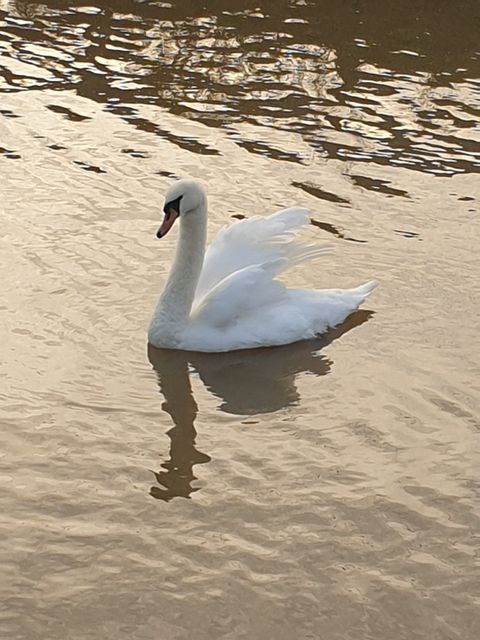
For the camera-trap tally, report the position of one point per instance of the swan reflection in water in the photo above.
(245, 382)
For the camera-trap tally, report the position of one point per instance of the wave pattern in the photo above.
(349, 89)
(325, 490)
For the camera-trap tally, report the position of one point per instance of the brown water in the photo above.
(333, 486)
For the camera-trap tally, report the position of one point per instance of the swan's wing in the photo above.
(256, 241)
(241, 294)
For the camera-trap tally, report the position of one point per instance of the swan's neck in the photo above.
(176, 300)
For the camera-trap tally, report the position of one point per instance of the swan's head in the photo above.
(185, 197)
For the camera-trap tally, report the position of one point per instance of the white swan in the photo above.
(228, 297)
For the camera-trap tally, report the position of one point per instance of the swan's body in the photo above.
(228, 297)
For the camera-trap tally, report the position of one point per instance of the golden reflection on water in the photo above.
(333, 484)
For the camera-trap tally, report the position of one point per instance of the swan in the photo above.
(228, 297)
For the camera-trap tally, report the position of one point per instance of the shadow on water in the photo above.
(245, 382)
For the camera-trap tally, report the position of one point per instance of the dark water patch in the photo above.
(88, 167)
(68, 113)
(136, 154)
(408, 234)
(130, 116)
(167, 174)
(10, 153)
(6, 113)
(320, 193)
(263, 149)
(330, 228)
(374, 184)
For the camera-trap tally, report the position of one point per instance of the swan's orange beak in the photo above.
(170, 216)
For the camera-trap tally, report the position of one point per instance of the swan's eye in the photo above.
(173, 204)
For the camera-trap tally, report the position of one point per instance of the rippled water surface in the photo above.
(325, 490)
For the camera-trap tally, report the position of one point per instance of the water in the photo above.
(320, 490)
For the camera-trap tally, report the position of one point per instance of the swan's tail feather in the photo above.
(361, 293)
